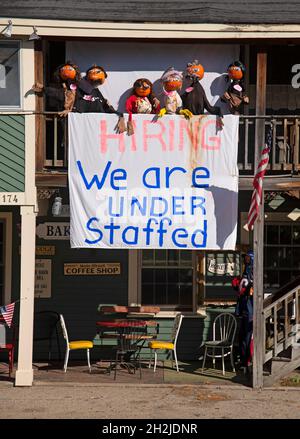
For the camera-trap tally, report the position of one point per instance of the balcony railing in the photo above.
(52, 142)
(284, 156)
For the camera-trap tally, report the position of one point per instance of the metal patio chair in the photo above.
(74, 345)
(46, 328)
(224, 330)
(167, 345)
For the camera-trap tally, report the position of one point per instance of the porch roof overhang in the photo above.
(149, 30)
(168, 11)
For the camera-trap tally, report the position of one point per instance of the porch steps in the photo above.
(282, 367)
(282, 332)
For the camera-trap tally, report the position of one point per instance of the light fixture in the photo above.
(34, 35)
(57, 204)
(8, 30)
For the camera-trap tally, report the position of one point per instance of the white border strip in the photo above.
(78, 29)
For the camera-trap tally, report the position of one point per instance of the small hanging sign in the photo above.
(92, 269)
(42, 288)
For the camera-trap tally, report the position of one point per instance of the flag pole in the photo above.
(258, 235)
(258, 298)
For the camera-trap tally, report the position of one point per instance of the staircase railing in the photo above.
(282, 319)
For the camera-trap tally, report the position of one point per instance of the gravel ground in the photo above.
(146, 402)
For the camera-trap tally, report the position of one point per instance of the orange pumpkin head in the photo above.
(195, 70)
(67, 72)
(96, 74)
(236, 71)
(142, 87)
(172, 79)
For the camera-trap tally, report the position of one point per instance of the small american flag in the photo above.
(258, 181)
(8, 313)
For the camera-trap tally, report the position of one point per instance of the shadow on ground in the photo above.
(190, 373)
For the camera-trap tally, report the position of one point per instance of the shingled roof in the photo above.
(163, 11)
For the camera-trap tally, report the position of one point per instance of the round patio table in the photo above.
(128, 339)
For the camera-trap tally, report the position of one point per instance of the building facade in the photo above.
(35, 245)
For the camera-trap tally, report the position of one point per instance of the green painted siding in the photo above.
(12, 153)
(78, 297)
(193, 333)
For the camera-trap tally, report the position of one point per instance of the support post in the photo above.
(39, 105)
(200, 281)
(258, 238)
(24, 373)
(258, 320)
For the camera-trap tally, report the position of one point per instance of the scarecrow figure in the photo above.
(89, 98)
(61, 95)
(141, 101)
(244, 310)
(194, 98)
(172, 83)
(235, 95)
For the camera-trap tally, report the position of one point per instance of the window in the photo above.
(281, 254)
(221, 268)
(167, 278)
(10, 95)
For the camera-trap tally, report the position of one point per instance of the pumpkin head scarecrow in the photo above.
(61, 94)
(89, 98)
(235, 95)
(194, 98)
(141, 101)
(171, 84)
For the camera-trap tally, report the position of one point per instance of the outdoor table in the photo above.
(128, 335)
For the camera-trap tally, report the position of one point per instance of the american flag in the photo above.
(8, 313)
(258, 181)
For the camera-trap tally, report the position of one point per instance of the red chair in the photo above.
(9, 347)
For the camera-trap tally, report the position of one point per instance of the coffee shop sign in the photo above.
(54, 231)
(221, 268)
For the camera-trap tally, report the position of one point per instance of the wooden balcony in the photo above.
(52, 147)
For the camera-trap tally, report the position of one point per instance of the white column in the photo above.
(24, 373)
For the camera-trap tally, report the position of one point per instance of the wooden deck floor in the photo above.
(190, 373)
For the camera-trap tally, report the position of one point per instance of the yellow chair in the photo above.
(168, 345)
(74, 345)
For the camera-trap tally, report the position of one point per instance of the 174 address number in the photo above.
(9, 198)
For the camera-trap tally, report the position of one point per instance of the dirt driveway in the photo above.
(57, 401)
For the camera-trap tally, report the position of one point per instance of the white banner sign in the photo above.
(127, 61)
(172, 185)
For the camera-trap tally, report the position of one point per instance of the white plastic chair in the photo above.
(74, 345)
(168, 345)
(224, 329)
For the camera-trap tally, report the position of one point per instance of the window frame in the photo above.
(135, 282)
(271, 218)
(12, 108)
